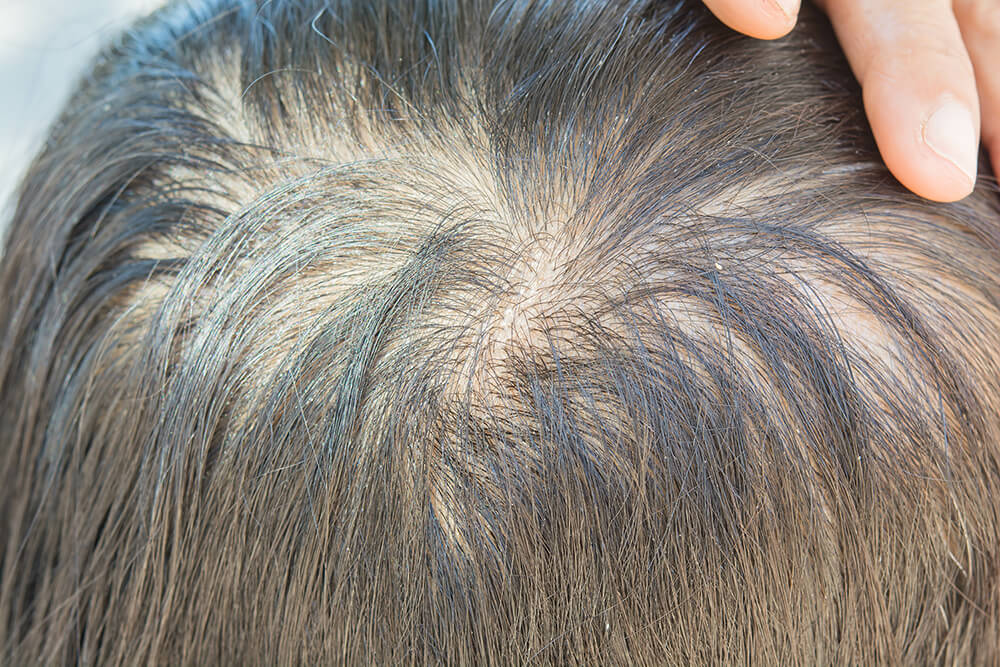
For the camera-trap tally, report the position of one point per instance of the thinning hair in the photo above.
(418, 331)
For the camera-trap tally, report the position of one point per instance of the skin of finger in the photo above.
(909, 57)
(979, 21)
(757, 18)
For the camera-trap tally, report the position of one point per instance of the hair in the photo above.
(458, 331)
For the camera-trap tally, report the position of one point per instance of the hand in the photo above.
(919, 63)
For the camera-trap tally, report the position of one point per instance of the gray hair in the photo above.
(460, 331)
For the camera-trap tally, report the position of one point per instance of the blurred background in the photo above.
(44, 46)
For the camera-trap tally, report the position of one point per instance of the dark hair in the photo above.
(409, 331)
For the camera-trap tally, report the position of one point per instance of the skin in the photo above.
(913, 58)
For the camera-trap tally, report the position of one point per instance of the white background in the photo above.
(44, 46)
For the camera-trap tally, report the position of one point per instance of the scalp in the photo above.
(411, 332)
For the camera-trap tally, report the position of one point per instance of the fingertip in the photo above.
(762, 19)
(783, 16)
(932, 149)
(952, 135)
(919, 90)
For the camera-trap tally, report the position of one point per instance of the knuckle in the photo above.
(936, 54)
(934, 59)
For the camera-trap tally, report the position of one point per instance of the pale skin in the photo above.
(930, 75)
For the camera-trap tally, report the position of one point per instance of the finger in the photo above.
(980, 25)
(763, 19)
(919, 90)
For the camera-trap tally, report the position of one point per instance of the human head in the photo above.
(462, 331)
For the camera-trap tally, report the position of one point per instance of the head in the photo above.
(467, 331)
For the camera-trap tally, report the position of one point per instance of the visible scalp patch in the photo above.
(401, 331)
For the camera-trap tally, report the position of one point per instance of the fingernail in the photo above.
(950, 133)
(790, 8)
